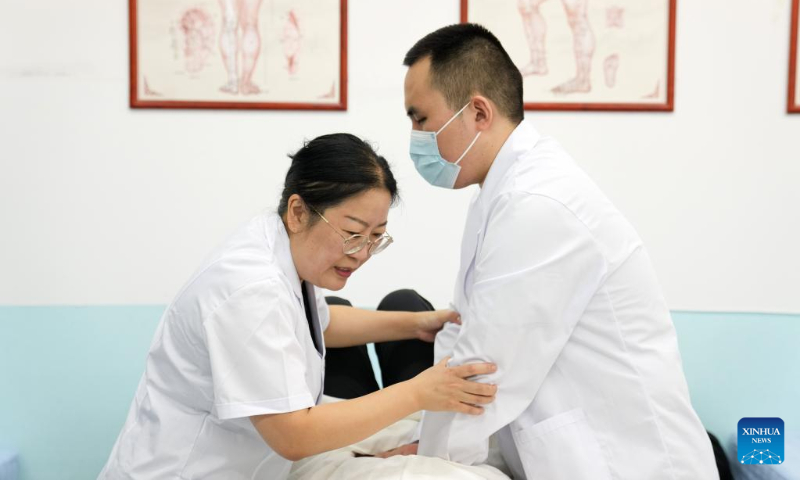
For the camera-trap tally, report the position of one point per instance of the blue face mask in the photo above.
(428, 160)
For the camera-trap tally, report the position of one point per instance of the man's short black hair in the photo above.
(467, 59)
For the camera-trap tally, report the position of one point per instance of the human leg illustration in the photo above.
(228, 44)
(240, 15)
(251, 44)
(583, 46)
(535, 31)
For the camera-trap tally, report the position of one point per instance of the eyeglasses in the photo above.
(355, 243)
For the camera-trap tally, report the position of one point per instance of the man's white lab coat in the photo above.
(556, 288)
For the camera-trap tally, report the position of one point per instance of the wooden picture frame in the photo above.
(238, 54)
(625, 63)
(793, 99)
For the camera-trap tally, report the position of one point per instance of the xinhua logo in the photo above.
(760, 441)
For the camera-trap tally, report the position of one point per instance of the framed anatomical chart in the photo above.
(255, 54)
(793, 105)
(586, 54)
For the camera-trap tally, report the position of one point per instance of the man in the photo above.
(555, 287)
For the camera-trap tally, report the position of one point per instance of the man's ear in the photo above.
(296, 214)
(483, 111)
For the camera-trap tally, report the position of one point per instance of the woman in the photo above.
(235, 371)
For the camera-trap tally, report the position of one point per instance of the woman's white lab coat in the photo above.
(234, 343)
(556, 288)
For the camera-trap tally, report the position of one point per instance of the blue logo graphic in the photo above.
(760, 441)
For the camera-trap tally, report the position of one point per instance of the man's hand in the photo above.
(410, 449)
(428, 324)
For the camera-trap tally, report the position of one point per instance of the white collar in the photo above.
(279, 237)
(522, 139)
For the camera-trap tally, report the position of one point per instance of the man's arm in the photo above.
(534, 275)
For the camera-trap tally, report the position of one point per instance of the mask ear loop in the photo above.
(468, 148)
(451, 119)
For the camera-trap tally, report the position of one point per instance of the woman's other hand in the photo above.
(428, 324)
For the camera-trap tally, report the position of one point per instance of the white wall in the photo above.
(100, 204)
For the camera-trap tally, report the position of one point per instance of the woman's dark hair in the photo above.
(332, 168)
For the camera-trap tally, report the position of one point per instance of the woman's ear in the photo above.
(483, 112)
(296, 214)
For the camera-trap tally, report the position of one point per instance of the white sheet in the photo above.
(341, 464)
